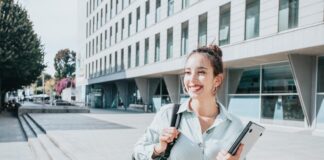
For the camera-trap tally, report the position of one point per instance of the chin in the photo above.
(194, 95)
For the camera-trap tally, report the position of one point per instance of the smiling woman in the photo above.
(206, 130)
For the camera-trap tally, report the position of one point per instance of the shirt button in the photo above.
(201, 144)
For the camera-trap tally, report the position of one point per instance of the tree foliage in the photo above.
(64, 63)
(21, 51)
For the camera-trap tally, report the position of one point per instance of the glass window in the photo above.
(93, 24)
(89, 27)
(147, 44)
(105, 65)
(320, 94)
(282, 109)
(93, 5)
(117, 1)
(129, 23)
(245, 106)
(110, 35)
(184, 37)
(157, 48)
(116, 31)
(137, 54)
(96, 68)
(116, 64)
(157, 11)
(100, 69)
(138, 16)
(92, 69)
(111, 8)
(90, 8)
(93, 46)
(101, 17)
(224, 24)
(249, 81)
(320, 111)
(129, 55)
(101, 42)
(106, 37)
(109, 70)
(185, 3)
(122, 59)
(147, 11)
(122, 28)
(170, 7)
(106, 13)
(169, 43)
(97, 44)
(320, 71)
(86, 50)
(97, 25)
(202, 31)
(252, 18)
(278, 79)
(87, 30)
(288, 14)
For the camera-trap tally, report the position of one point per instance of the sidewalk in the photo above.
(110, 134)
(117, 143)
(13, 144)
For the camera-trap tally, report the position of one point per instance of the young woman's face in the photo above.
(199, 79)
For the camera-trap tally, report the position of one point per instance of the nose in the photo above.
(193, 77)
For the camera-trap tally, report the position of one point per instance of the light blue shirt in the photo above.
(191, 144)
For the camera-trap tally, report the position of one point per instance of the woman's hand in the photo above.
(224, 155)
(167, 136)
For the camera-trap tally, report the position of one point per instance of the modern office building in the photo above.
(133, 53)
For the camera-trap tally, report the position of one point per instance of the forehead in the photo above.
(197, 60)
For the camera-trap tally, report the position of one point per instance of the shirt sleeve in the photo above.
(144, 147)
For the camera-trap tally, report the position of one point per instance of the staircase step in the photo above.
(38, 151)
(54, 151)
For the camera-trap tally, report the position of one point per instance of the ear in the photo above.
(218, 80)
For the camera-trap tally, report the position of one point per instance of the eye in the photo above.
(187, 72)
(201, 72)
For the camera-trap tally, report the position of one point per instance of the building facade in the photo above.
(133, 52)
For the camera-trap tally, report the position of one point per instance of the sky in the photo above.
(55, 22)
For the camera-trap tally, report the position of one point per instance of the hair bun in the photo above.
(216, 50)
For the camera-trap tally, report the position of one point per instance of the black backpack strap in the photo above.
(175, 122)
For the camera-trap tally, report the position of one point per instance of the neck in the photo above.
(204, 108)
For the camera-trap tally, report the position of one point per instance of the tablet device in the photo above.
(250, 134)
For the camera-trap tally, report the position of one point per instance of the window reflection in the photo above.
(278, 79)
(282, 108)
(320, 71)
(250, 81)
(245, 106)
(320, 111)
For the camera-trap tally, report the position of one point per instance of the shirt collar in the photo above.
(223, 115)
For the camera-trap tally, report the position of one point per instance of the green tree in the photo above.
(64, 64)
(21, 51)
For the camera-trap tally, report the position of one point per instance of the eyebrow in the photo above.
(201, 68)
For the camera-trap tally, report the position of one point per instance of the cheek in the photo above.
(186, 79)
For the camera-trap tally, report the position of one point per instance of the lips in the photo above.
(195, 88)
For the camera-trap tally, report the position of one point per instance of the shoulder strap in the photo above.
(175, 122)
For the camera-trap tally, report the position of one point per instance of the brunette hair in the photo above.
(214, 55)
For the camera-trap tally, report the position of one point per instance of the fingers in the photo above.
(169, 134)
(239, 150)
(224, 155)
